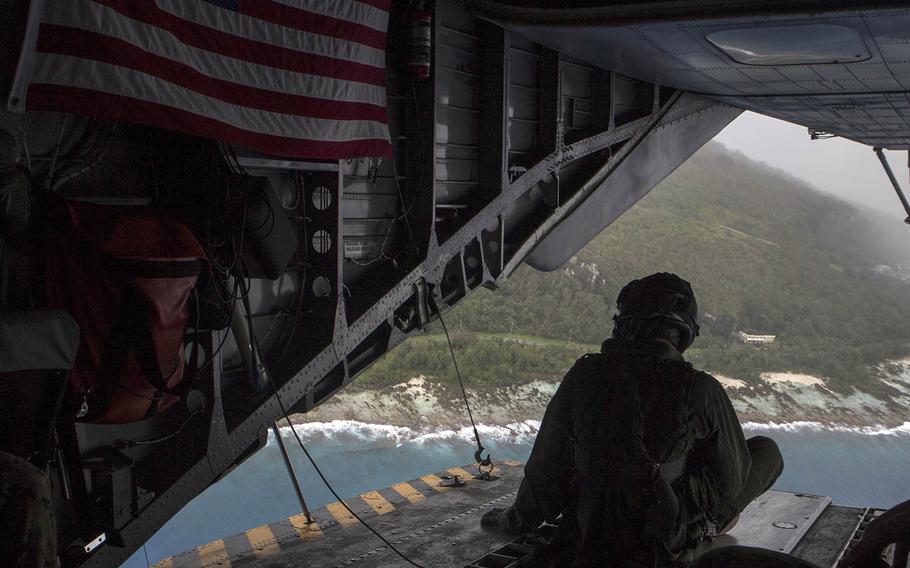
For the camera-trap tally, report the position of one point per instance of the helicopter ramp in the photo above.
(439, 527)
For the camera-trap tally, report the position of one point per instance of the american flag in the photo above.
(298, 78)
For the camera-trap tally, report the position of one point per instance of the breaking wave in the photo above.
(516, 433)
(811, 426)
(385, 435)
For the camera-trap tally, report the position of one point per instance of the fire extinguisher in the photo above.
(420, 34)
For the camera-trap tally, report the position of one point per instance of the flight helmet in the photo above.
(661, 305)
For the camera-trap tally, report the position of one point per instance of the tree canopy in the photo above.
(763, 251)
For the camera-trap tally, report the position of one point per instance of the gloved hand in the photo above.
(493, 518)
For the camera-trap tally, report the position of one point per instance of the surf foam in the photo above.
(798, 426)
(524, 432)
(385, 434)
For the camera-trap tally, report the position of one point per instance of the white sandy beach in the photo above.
(798, 378)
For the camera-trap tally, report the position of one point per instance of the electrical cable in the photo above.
(275, 317)
(482, 462)
(49, 177)
(405, 208)
(405, 211)
(208, 361)
(254, 343)
(332, 489)
(217, 350)
(128, 390)
(219, 272)
(234, 263)
(298, 184)
(259, 360)
(28, 156)
(162, 396)
(66, 176)
(174, 434)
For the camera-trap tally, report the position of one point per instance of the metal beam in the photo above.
(551, 123)
(897, 186)
(292, 473)
(494, 109)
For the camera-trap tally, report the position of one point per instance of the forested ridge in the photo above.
(764, 253)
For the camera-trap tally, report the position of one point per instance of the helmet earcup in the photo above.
(659, 300)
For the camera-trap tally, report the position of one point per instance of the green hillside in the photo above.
(763, 251)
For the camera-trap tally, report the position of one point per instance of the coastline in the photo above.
(781, 401)
(526, 431)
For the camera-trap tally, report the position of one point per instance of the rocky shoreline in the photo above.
(777, 399)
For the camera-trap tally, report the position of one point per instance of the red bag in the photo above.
(125, 274)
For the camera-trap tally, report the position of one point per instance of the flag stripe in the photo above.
(63, 70)
(381, 4)
(257, 29)
(296, 78)
(374, 17)
(94, 103)
(305, 21)
(229, 45)
(106, 49)
(242, 72)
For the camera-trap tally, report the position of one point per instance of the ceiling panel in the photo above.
(862, 100)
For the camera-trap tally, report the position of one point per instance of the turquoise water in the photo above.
(853, 468)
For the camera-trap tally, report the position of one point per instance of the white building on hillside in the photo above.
(753, 339)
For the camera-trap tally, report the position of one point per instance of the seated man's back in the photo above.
(638, 451)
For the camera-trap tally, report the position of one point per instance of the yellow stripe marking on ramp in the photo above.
(378, 503)
(434, 481)
(511, 463)
(263, 541)
(166, 563)
(465, 475)
(407, 491)
(341, 514)
(304, 529)
(214, 553)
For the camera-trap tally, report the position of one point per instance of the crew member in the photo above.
(639, 456)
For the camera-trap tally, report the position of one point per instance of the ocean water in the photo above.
(861, 467)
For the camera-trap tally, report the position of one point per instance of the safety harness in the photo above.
(642, 485)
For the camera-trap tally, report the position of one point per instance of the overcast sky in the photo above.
(844, 168)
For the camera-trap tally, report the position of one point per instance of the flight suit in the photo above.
(723, 471)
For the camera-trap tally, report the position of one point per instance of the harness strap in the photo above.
(673, 470)
(648, 471)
